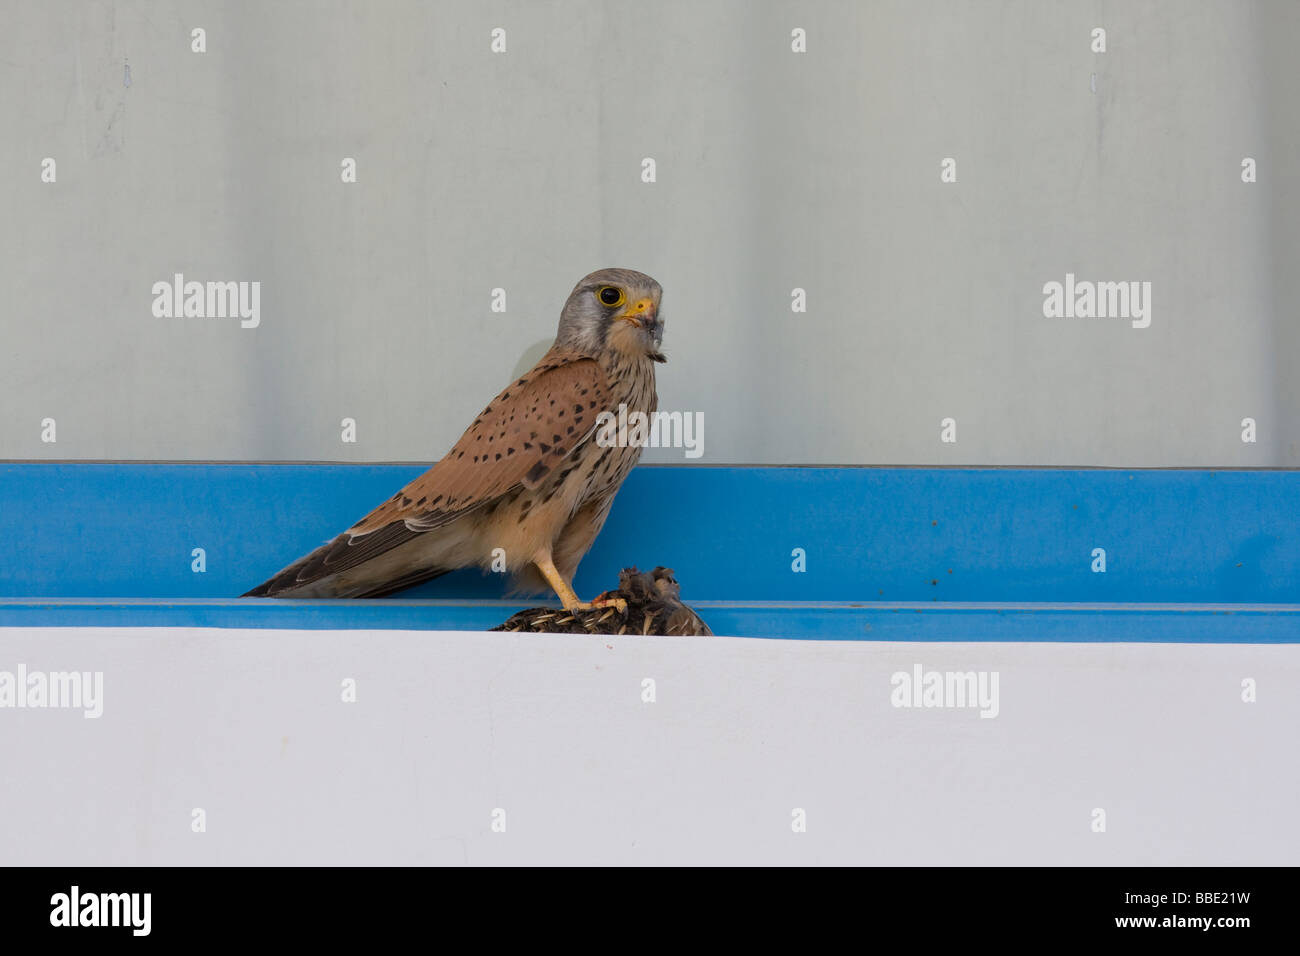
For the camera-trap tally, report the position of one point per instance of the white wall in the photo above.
(447, 727)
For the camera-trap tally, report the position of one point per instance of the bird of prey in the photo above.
(653, 605)
(528, 476)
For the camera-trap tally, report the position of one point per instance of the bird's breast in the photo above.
(631, 383)
(600, 464)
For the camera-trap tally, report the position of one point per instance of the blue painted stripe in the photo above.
(1245, 624)
(870, 535)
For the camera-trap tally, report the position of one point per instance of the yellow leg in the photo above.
(566, 593)
(559, 585)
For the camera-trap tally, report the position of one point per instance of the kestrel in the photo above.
(528, 476)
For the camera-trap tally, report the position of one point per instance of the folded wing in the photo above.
(522, 435)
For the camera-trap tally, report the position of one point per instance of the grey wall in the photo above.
(775, 170)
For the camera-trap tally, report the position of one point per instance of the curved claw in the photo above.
(606, 599)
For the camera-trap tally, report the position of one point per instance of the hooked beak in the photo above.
(644, 314)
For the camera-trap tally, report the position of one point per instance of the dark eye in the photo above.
(610, 295)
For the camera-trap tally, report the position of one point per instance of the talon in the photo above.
(617, 604)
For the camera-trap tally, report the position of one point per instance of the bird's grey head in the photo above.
(613, 308)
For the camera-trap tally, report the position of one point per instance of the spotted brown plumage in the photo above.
(527, 477)
(503, 449)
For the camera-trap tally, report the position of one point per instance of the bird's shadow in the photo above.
(532, 355)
